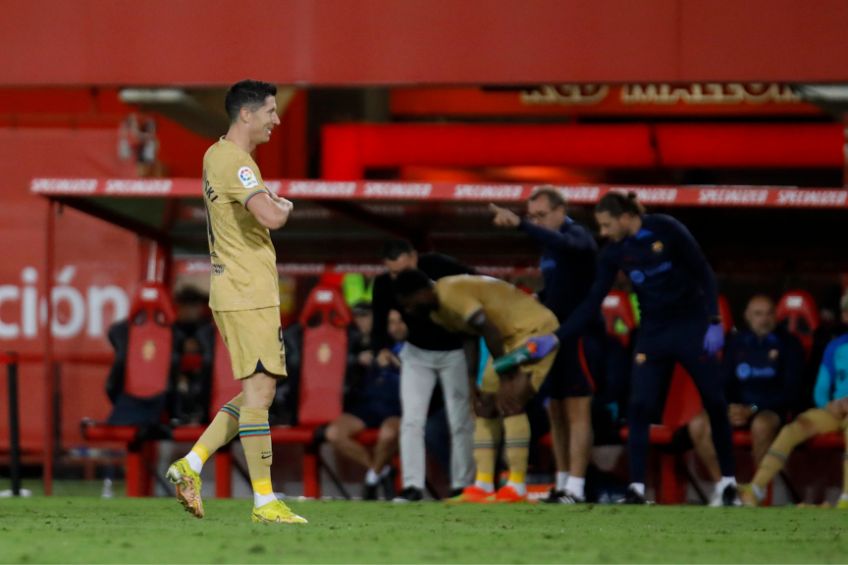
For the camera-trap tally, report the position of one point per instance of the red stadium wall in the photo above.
(96, 269)
(326, 42)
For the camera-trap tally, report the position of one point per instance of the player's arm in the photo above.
(269, 209)
(572, 239)
(591, 305)
(822, 394)
(480, 323)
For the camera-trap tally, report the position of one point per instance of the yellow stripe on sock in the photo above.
(201, 452)
(262, 486)
(485, 477)
(515, 477)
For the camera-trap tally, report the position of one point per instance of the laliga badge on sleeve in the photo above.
(247, 177)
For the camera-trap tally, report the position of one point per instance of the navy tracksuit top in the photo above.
(669, 273)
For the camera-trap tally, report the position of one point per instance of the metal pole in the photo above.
(14, 424)
(50, 387)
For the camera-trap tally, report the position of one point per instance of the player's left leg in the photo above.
(255, 435)
(579, 411)
(808, 424)
(704, 371)
(386, 448)
(184, 473)
(764, 427)
(517, 428)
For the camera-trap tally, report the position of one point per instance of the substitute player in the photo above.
(569, 256)
(830, 415)
(680, 322)
(506, 318)
(244, 298)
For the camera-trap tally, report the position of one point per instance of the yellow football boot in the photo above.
(276, 512)
(187, 484)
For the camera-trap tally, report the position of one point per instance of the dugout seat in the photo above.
(141, 400)
(799, 311)
(324, 318)
(619, 317)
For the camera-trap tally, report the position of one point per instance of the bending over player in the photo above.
(506, 318)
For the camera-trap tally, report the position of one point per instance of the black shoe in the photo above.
(632, 497)
(369, 492)
(553, 496)
(454, 492)
(409, 494)
(730, 496)
(388, 485)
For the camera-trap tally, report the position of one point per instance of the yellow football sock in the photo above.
(255, 437)
(487, 437)
(221, 430)
(517, 434)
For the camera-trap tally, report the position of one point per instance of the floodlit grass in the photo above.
(121, 530)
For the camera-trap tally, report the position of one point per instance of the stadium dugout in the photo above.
(338, 226)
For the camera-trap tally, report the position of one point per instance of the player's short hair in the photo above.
(251, 93)
(555, 197)
(410, 281)
(616, 203)
(393, 248)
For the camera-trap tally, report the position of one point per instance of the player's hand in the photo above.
(504, 217)
(714, 339)
(386, 358)
(739, 414)
(838, 408)
(365, 358)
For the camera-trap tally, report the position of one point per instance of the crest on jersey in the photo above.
(247, 177)
(657, 246)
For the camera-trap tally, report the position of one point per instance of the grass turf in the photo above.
(121, 530)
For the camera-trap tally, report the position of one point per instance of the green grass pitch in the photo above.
(121, 530)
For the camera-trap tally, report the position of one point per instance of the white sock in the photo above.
(194, 461)
(488, 487)
(758, 491)
(263, 499)
(576, 486)
(724, 483)
(561, 480)
(844, 496)
(520, 488)
(639, 488)
(371, 477)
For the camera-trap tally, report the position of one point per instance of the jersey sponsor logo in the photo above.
(247, 177)
(638, 277)
(746, 371)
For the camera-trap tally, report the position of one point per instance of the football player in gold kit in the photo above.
(244, 298)
(507, 319)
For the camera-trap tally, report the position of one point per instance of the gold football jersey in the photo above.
(244, 263)
(516, 314)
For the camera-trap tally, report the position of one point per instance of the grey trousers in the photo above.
(418, 373)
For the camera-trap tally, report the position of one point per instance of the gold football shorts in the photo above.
(538, 370)
(253, 337)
